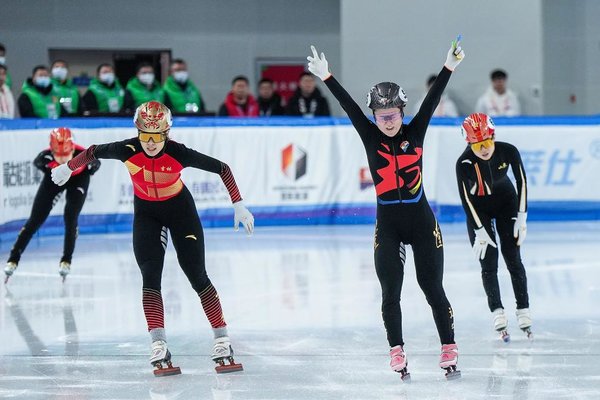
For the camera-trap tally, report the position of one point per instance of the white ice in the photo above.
(303, 309)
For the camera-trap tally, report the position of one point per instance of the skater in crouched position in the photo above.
(162, 202)
(488, 195)
(404, 217)
(62, 149)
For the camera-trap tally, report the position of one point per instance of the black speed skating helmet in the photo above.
(386, 95)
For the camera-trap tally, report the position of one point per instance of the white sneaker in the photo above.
(500, 321)
(159, 351)
(222, 348)
(64, 268)
(524, 318)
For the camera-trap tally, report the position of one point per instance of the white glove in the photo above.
(482, 241)
(520, 228)
(318, 66)
(455, 54)
(61, 174)
(241, 214)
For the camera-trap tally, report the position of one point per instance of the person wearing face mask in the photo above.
(404, 217)
(491, 204)
(64, 89)
(8, 80)
(37, 99)
(162, 202)
(105, 94)
(181, 95)
(7, 101)
(62, 149)
(142, 88)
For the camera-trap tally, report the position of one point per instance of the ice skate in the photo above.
(222, 351)
(448, 360)
(161, 360)
(9, 270)
(501, 324)
(63, 269)
(524, 321)
(399, 363)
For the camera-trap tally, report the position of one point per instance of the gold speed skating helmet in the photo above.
(153, 117)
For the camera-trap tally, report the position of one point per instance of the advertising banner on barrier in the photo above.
(295, 173)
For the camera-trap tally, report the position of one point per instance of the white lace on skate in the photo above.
(523, 318)
(222, 348)
(10, 268)
(159, 351)
(64, 268)
(500, 321)
(398, 361)
(449, 356)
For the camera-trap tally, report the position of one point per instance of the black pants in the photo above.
(415, 225)
(45, 198)
(504, 211)
(179, 216)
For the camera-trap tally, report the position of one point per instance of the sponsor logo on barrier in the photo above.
(365, 178)
(294, 165)
(20, 173)
(551, 168)
(205, 191)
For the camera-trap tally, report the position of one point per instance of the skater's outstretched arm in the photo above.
(319, 66)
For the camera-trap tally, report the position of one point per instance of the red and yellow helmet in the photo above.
(478, 127)
(153, 117)
(61, 142)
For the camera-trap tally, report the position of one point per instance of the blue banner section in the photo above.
(126, 122)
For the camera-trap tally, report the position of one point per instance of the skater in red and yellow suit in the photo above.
(62, 149)
(162, 202)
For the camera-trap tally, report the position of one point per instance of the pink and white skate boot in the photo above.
(448, 360)
(399, 363)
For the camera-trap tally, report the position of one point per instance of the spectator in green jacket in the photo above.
(142, 88)
(64, 89)
(36, 99)
(181, 95)
(105, 94)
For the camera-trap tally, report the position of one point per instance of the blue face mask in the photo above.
(42, 81)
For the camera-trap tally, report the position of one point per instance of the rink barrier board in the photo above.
(563, 183)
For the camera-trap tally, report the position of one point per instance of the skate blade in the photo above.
(452, 374)
(167, 371)
(504, 336)
(405, 377)
(528, 333)
(6, 279)
(233, 367)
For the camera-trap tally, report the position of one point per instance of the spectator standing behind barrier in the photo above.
(239, 102)
(181, 95)
(269, 101)
(142, 88)
(64, 89)
(37, 99)
(307, 100)
(498, 100)
(446, 107)
(7, 101)
(3, 62)
(105, 94)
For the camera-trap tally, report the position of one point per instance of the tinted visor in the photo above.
(488, 143)
(156, 137)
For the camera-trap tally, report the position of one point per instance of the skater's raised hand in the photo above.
(455, 54)
(318, 65)
(482, 241)
(61, 174)
(520, 228)
(241, 214)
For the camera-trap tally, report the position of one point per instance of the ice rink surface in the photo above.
(303, 309)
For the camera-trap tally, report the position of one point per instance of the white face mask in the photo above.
(180, 76)
(147, 79)
(59, 73)
(42, 81)
(107, 78)
(2, 60)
